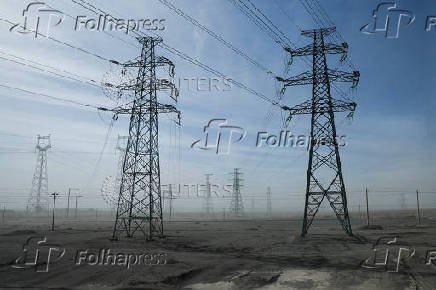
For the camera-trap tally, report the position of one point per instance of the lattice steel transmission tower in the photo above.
(208, 196)
(39, 197)
(268, 202)
(139, 204)
(236, 206)
(324, 173)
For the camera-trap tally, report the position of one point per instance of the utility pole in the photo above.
(208, 196)
(39, 196)
(367, 207)
(324, 173)
(417, 207)
(55, 195)
(139, 204)
(237, 207)
(403, 200)
(170, 196)
(68, 200)
(75, 212)
(268, 202)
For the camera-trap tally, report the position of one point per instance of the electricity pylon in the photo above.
(268, 202)
(236, 206)
(39, 196)
(208, 196)
(324, 173)
(139, 205)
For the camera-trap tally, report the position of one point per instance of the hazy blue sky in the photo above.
(390, 142)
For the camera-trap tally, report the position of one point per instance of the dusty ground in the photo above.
(244, 254)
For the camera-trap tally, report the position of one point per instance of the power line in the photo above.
(287, 15)
(214, 35)
(57, 41)
(91, 82)
(105, 32)
(217, 73)
(320, 17)
(59, 152)
(258, 22)
(290, 44)
(65, 100)
(269, 20)
(278, 36)
(182, 55)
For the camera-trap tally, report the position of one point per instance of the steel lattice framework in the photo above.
(324, 173)
(208, 206)
(39, 197)
(140, 201)
(236, 206)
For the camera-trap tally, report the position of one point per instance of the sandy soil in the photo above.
(242, 254)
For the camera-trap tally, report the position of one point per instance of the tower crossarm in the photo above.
(308, 108)
(159, 61)
(328, 48)
(324, 31)
(307, 78)
(161, 109)
(341, 76)
(159, 84)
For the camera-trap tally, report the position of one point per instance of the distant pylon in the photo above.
(139, 205)
(236, 206)
(39, 196)
(208, 207)
(268, 202)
